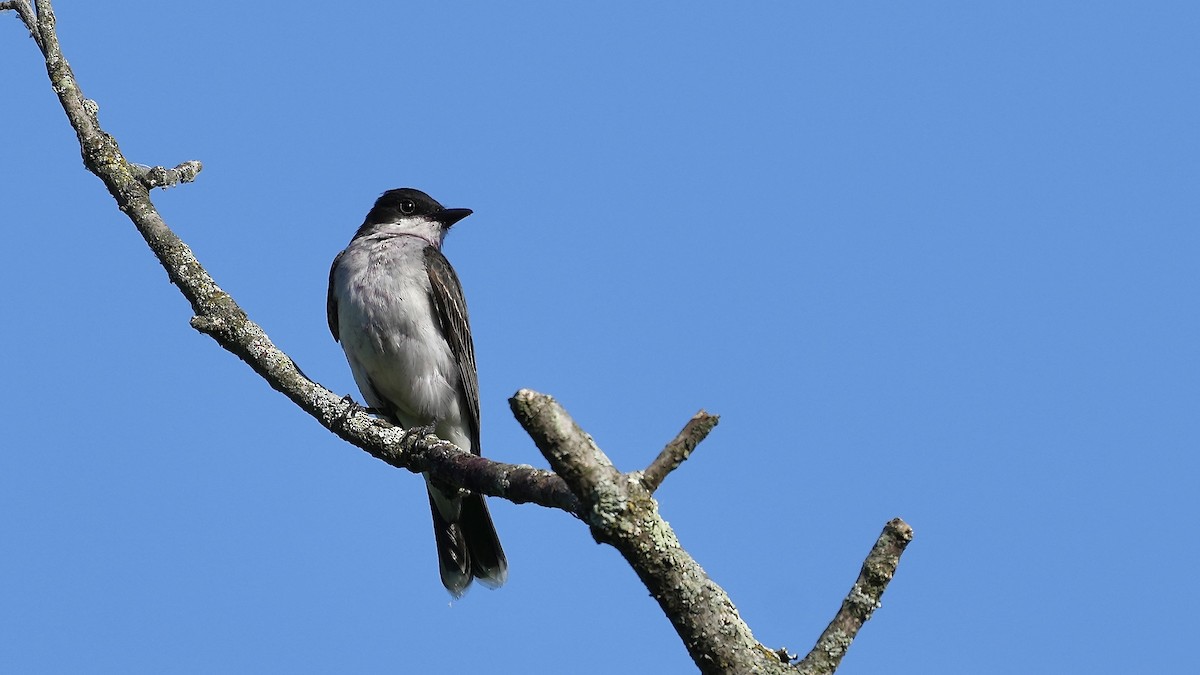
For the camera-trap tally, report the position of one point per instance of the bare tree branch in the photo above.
(157, 176)
(619, 508)
(25, 11)
(622, 513)
(679, 449)
(219, 317)
(862, 601)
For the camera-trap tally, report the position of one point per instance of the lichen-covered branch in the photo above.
(160, 177)
(862, 601)
(218, 316)
(621, 512)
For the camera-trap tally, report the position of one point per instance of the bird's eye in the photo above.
(408, 207)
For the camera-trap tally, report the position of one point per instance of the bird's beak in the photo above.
(448, 217)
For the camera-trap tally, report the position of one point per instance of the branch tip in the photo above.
(161, 177)
(25, 11)
(572, 453)
(679, 449)
(862, 600)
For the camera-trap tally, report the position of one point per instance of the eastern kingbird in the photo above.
(397, 307)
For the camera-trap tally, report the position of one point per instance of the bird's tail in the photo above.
(467, 545)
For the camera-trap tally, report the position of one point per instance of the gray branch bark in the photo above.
(679, 449)
(621, 512)
(619, 508)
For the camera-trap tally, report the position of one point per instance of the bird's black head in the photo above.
(402, 203)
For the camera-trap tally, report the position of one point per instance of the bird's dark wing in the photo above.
(331, 307)
(450, 311)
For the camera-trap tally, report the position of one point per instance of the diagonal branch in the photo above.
(862, 601)
(25, 11)
(621, 512)
(679, 449)
(219, 316)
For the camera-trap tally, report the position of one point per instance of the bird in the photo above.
(397, 308)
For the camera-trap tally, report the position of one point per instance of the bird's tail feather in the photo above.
(488, 563)
(468, 547)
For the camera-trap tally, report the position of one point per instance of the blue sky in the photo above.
(928, 260)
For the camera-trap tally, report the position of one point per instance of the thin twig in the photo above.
(679, 449)
(161, 177)
(25, 11)
(862, 601)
